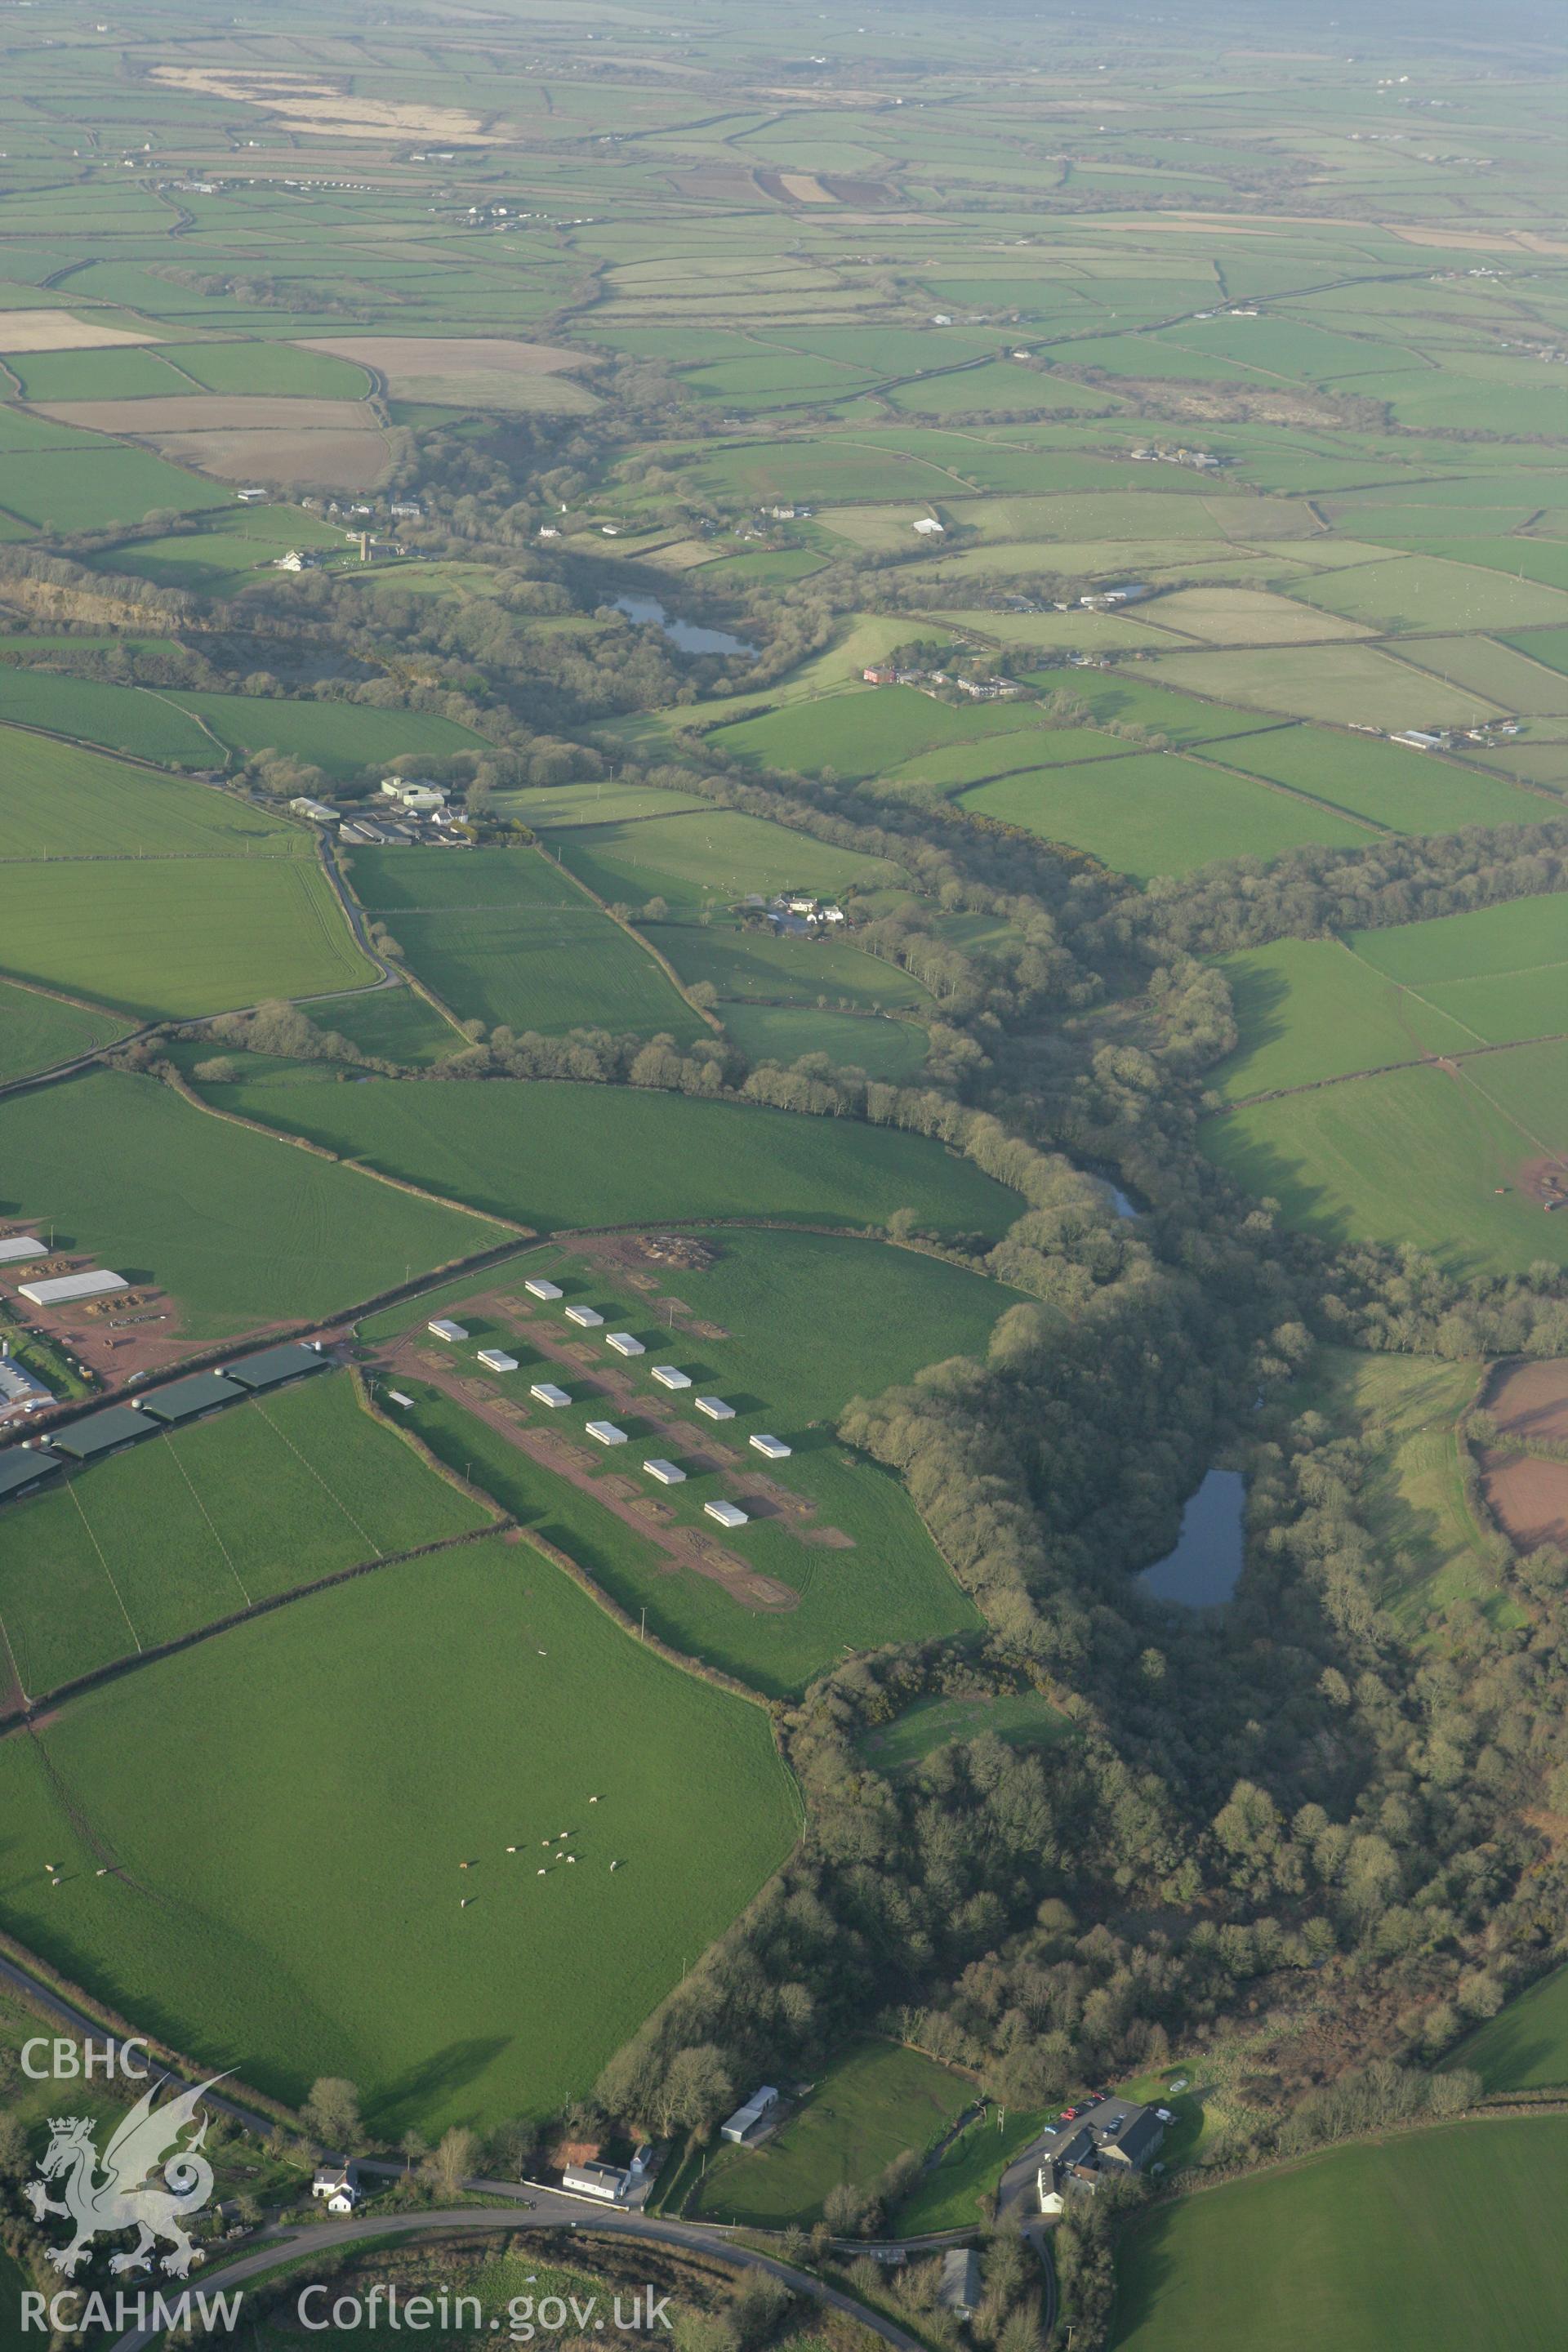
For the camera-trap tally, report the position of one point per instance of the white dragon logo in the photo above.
(123, 2199)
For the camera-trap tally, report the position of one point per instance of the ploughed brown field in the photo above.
(1531, 1400)
(1528, 1497)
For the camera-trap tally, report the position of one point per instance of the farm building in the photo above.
(186, 1400)
(624, 1344)
(746, 2119)
(496, 1360)
(606, 2181)
(272, 1366)
(548, 1393)
(21, 1392)
(540, 1288)
(669, 1378)
(714, 1408)
(729, 1515)
(251, 497)
(16, 1247)
(929, 528)
(317, 811)
(668, 1474)
(21, 1470)
(587, 1318)
(772, 1448)
(441, 1327)
(959, 2290)
(396, 1396)
(605, 1433)
(66, 1289)
(101, 1433)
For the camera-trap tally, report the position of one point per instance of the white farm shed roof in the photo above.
(548, 1393)
(588, 1318)
(540, 1288)
(715, 1408)
(61, 1289)
(668, 1474)
(729, 1515)
(624, 1344)
(444, 1330)
(669, 1378)
(497, 1360)
(17, 1247)
(605, 1432)
(774, 1447)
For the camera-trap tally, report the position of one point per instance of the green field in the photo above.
(787, 1369)
(1357, 2249)
(95, 485)
(1156, 813)
(342, 738)
(872, 2103)
(554, 1154)
(121, 717)
(1312, 1009)
(948, 2196)
(893, 1050)
(1021, 1719)
(57, 800)
(1350, 683)
(242, 1230)
(156, 939)
(545, 969)
(1387, 783)
(788, 969)
(870, 728)
(692, 862)
(194, 1526)
(1496, 971)
(1428, 1546)
(37, 1032)
(390, 881)
(505, 938)
(433, 1712)
(1426, 1155)
(392, 1025)
(1525, 2046)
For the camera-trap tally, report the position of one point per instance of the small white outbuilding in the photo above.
(669, 1378)
(548, 1393)
(624, 1344)
(496, 1360)
(540, 1288)
(441, 1327)
(773, 1448)
(714, 1408)
(605, 1433)
(668, 1474)
(729, 1515)
(587, 1318)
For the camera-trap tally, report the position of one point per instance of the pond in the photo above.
(686, 634)
(1202, 1569)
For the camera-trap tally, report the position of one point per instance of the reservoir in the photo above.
(689, 639)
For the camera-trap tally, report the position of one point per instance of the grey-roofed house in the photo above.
(1114, 2137)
